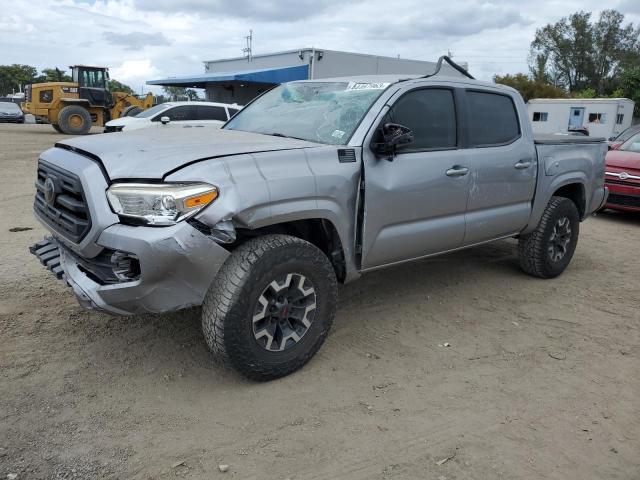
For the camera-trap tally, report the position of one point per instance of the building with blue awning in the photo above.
(240, 79)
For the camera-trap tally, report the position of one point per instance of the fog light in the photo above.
(125, 266)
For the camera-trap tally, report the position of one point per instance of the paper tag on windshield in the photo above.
(367, 85)
(338, 134)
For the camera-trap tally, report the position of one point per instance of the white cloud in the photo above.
(147, 39)
(134, 72)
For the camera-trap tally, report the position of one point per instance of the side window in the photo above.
(492, 119)
(540, 116)
(211, 113)
(183, 112)
(430, 113)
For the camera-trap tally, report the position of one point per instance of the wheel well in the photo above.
(317, 231)
(575, 193)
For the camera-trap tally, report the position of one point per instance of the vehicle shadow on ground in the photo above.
(629, 218)
(172, 344)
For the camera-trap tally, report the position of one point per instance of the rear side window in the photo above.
(431, 115)
(492, 119)
(211, 113)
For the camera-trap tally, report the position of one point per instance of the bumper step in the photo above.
(48, 253)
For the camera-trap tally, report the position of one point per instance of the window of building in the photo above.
(596, 117)
(431, 115)
(619, 118)
(540, 116)
(493, 119)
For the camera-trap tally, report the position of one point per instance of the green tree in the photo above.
(178, 93)
(52, 75)
(583, 54)
(529, 87)
(116, 86)
(630, 86)
(586, 93)
(14, 77)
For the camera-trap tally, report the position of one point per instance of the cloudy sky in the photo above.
(147, 39)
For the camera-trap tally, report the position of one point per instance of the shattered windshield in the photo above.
(323, 112)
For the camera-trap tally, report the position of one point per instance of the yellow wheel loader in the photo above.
(73, 107)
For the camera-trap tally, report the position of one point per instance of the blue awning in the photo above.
(265, 75)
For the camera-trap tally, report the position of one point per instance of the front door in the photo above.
(415, 205)
(576, 118)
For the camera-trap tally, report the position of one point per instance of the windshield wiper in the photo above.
(277, 134)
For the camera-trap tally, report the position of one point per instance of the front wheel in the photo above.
(547, 251)
(270, 307)
(74, 120)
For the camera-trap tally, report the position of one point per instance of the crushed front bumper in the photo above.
(176, 267)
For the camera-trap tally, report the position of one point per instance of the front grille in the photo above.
(624, 200)
(68, 214)
(626, 183)
(111, 129)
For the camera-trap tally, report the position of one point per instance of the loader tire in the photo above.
(270, 307)
(547, 251)
(131, 111)
(57, 128)
(74, 120)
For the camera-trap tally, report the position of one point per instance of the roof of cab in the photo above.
(396, 78)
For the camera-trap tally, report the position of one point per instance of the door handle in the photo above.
(457, 171)
(522, 164)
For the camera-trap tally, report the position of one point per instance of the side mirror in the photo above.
(394, 136)
(165, 120)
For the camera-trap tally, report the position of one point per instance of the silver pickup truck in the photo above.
(311, 185)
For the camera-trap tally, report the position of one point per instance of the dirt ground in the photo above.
(541, 378)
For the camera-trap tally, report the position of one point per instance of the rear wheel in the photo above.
(271, 306)
(547, 251)
(57, 128)
(74, 120)
(131, 111)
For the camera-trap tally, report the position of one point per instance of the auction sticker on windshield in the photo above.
(367, 86)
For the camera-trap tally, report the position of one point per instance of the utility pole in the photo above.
(248, 49)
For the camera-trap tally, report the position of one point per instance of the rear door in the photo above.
(503, 166)
(210, 115)
(415, 205)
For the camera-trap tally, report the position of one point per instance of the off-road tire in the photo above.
(74, 120)
(131, 111)
(229, 305)
(533, 248)
(57, 128)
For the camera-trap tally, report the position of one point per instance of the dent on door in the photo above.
(412, 207)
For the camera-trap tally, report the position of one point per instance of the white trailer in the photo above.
(602, 117)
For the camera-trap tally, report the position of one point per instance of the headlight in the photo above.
(160, 204)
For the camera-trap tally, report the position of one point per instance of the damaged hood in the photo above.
(153, 153)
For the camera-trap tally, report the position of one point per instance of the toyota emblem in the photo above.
(624, 175)
(50, 190)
